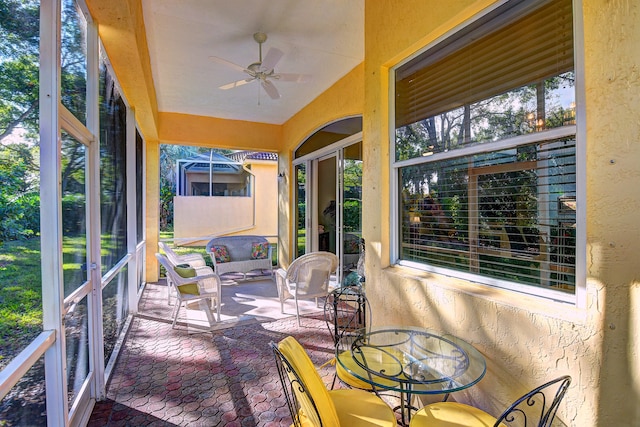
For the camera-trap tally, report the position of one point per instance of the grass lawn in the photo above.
(21, 288)
(20, 296)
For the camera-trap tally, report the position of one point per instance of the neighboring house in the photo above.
(212, 175)
(222, 195)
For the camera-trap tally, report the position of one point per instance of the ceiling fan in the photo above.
(262, 70)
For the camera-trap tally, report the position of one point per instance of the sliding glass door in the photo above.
(329, 205)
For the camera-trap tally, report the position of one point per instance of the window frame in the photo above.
(578, 131)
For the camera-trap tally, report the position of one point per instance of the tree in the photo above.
(19, 198)
(19, 50)
(19, 98)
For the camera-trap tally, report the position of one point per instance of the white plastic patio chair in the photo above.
(192, 259)
(207, 289)
(307, 277)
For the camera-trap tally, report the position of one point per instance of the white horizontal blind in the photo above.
(507, 215)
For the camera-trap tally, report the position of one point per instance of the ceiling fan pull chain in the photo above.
(258, 86)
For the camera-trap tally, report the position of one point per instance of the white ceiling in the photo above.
(323, 38)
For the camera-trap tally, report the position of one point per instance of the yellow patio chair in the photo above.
(312, 405)
(536, 408)
(194, 286)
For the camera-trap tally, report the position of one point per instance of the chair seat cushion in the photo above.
(452, 414)
(360, 408)
(348, 365)
(187, 272)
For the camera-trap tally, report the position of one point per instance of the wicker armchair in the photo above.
(307, 277)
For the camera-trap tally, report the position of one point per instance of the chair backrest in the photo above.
(170, 254)
(169, 268)
(307, 397)
(311, 272)
(347, 313)
(177, 280)
(166, 263)
(539, 406)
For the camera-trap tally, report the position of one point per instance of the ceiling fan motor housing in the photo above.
(260, 37)
(262, 70)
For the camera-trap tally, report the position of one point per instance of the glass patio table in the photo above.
(413, 360)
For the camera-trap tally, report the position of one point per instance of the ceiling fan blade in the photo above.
(227, 63)
(270, 89)
(272, 58)
(235, 84)
(292, 77)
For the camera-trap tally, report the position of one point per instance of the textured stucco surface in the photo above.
(529, 340)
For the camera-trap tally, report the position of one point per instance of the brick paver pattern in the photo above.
(228, 377)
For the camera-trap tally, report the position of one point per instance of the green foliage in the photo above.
(19, 98)
(352, 213)
(166, 208)
(19, 200)
(302, 209)
(19, 30)
(73, 213)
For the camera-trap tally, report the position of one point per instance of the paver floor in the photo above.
(193, 377)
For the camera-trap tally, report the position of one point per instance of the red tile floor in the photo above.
(190, 377)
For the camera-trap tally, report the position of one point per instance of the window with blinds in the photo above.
(485, 150)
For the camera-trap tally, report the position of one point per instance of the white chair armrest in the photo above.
(186, 280)
(281, 281)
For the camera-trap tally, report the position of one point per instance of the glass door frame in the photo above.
(310, 162)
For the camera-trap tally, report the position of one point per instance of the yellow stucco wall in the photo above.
(185, 129)
(152, 210)
(343, 99)
(121, 27)
(528, 340)
(266, 191)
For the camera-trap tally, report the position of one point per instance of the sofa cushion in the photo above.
(259, 250)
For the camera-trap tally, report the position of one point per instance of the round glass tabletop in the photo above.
(414, 360)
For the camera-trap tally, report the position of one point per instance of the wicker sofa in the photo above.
(243, 254)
